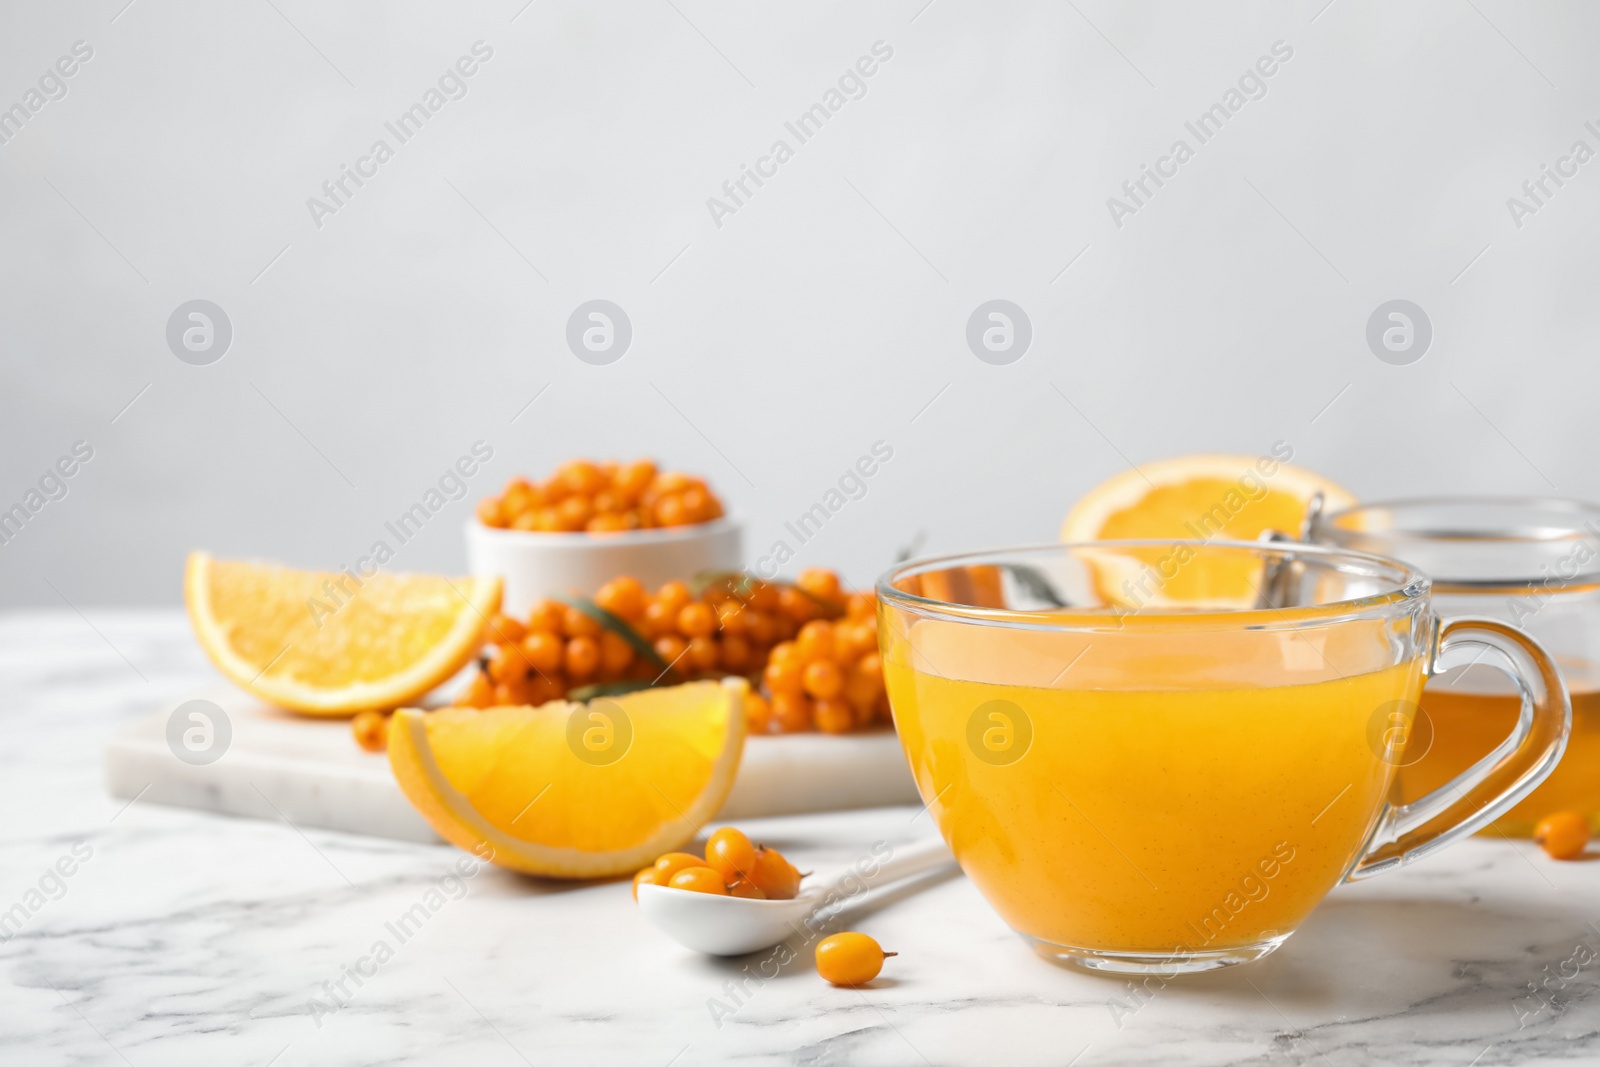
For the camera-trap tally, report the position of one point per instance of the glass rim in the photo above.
(1402, 582)
(1557, 504)
(1506, 549)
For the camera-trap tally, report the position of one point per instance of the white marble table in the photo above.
(187, 938)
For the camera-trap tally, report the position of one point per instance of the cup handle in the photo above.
(1490, 787)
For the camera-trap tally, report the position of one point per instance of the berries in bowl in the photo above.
(588, 522)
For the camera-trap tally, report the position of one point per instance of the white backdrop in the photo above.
(774, 343)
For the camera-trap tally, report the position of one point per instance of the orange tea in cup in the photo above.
(1174, 788)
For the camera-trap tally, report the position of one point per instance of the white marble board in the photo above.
(312, 773)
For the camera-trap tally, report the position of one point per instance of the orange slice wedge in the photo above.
(1205, 497)
(570, 790)
(321, 644)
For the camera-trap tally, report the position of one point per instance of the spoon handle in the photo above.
(904, 861)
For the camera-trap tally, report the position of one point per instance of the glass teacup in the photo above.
(1531, 561)
(1143, 785)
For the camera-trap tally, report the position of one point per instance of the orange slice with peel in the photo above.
(569, 790)
(1204, 497)
(323, 645)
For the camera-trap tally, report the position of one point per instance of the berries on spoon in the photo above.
(730, 854)
(732, 867)
(774, 875)
(673, 862)
(699, 880)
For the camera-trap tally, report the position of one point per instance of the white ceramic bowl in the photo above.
(537, 565)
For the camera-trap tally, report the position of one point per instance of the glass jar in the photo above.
(1531, 562)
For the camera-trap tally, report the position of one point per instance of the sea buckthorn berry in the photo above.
(675, 595)
(783, 676)
(581, 477)
(480, 692)
(578, 623)
(774, 875)
(659, 618)
(573, 519)
(697, 620)
(731, 617)
(757, 713)
(763, 597)
(371, 729)
(634, 478)
(862, 694)
(624, 597)
(785, 652)
(669, 511)
(730, 853)
(608, 522)
(870, 666)
(850, 959)
(547, 615)
(615, 654)
(746, 889)
(823, 679)
(819, 582)
(608, 501)
(854, 638)
(1563, 835)
(544, 688)
(526, 521)
(792, 712)
(520, 495)
(758, 626)
(795, 604)
(671, 482)
(696, 504)
(504, 630)
(544, 651)
(489, 512)
(582, 657)
(699, 880)
(736, 654)
(703, 653)
(815, 642)
(861, 606)
(833, 716)
(670, 647)
(576, 511)
(509, 694)
(648, 876)
(673, 862)
(546, 520)
(507, 665)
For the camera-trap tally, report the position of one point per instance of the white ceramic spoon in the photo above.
(733, 926)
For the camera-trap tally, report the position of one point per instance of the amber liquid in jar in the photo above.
(1466, 724)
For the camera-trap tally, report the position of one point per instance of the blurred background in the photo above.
(357, 341)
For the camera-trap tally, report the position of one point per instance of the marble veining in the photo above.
(193, 938)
